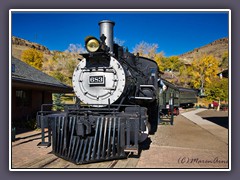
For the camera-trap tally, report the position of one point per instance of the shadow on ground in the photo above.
(218, 117)
(145, 145)
(221, 121)
(20, 130)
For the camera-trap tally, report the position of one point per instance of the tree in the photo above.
(58, 102)
(203, 70)
(146, 50)
(168, 63)
(119, 41)
(224, 63)
(33, 57)
(173, 63)
(185, 74)
(159, 60)
(218, 89)
(59, 76)
(61, 66)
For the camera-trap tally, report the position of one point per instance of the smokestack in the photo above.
(106, 28)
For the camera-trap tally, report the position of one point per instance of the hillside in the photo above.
(216, 48)
(19, 45)
(59, 65)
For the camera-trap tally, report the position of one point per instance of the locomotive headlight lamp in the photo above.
(92, 44)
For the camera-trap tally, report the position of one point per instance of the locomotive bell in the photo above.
(106, 29)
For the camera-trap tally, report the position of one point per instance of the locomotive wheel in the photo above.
(149, 127)
(153, 117)
(144, 135)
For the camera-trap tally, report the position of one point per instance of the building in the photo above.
(30, 89)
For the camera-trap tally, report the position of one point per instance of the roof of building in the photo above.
(23, 72)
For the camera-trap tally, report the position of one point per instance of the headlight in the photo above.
(92, 44)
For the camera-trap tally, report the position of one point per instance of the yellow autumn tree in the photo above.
(33, 57)
(61, 66)
(218, 89)
(173, 63)
(224, 62)
(185, 71)
(159, 60)
(203, 71)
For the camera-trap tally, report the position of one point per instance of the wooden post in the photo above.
(218, 108)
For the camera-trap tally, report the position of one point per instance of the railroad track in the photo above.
(184, 139)
(51, 161)
(30, 156)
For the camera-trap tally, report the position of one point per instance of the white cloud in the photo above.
(76, 48)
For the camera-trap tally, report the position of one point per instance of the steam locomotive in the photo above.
(118, 107)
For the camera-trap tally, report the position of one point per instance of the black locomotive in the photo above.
(118, 107)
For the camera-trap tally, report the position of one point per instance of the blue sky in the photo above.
(174, 32)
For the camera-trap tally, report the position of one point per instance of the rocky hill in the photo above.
(57, 64)
(22, 42)
(19, 45)
(216, 48)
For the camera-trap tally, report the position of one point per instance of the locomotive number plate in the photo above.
(96, 80)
